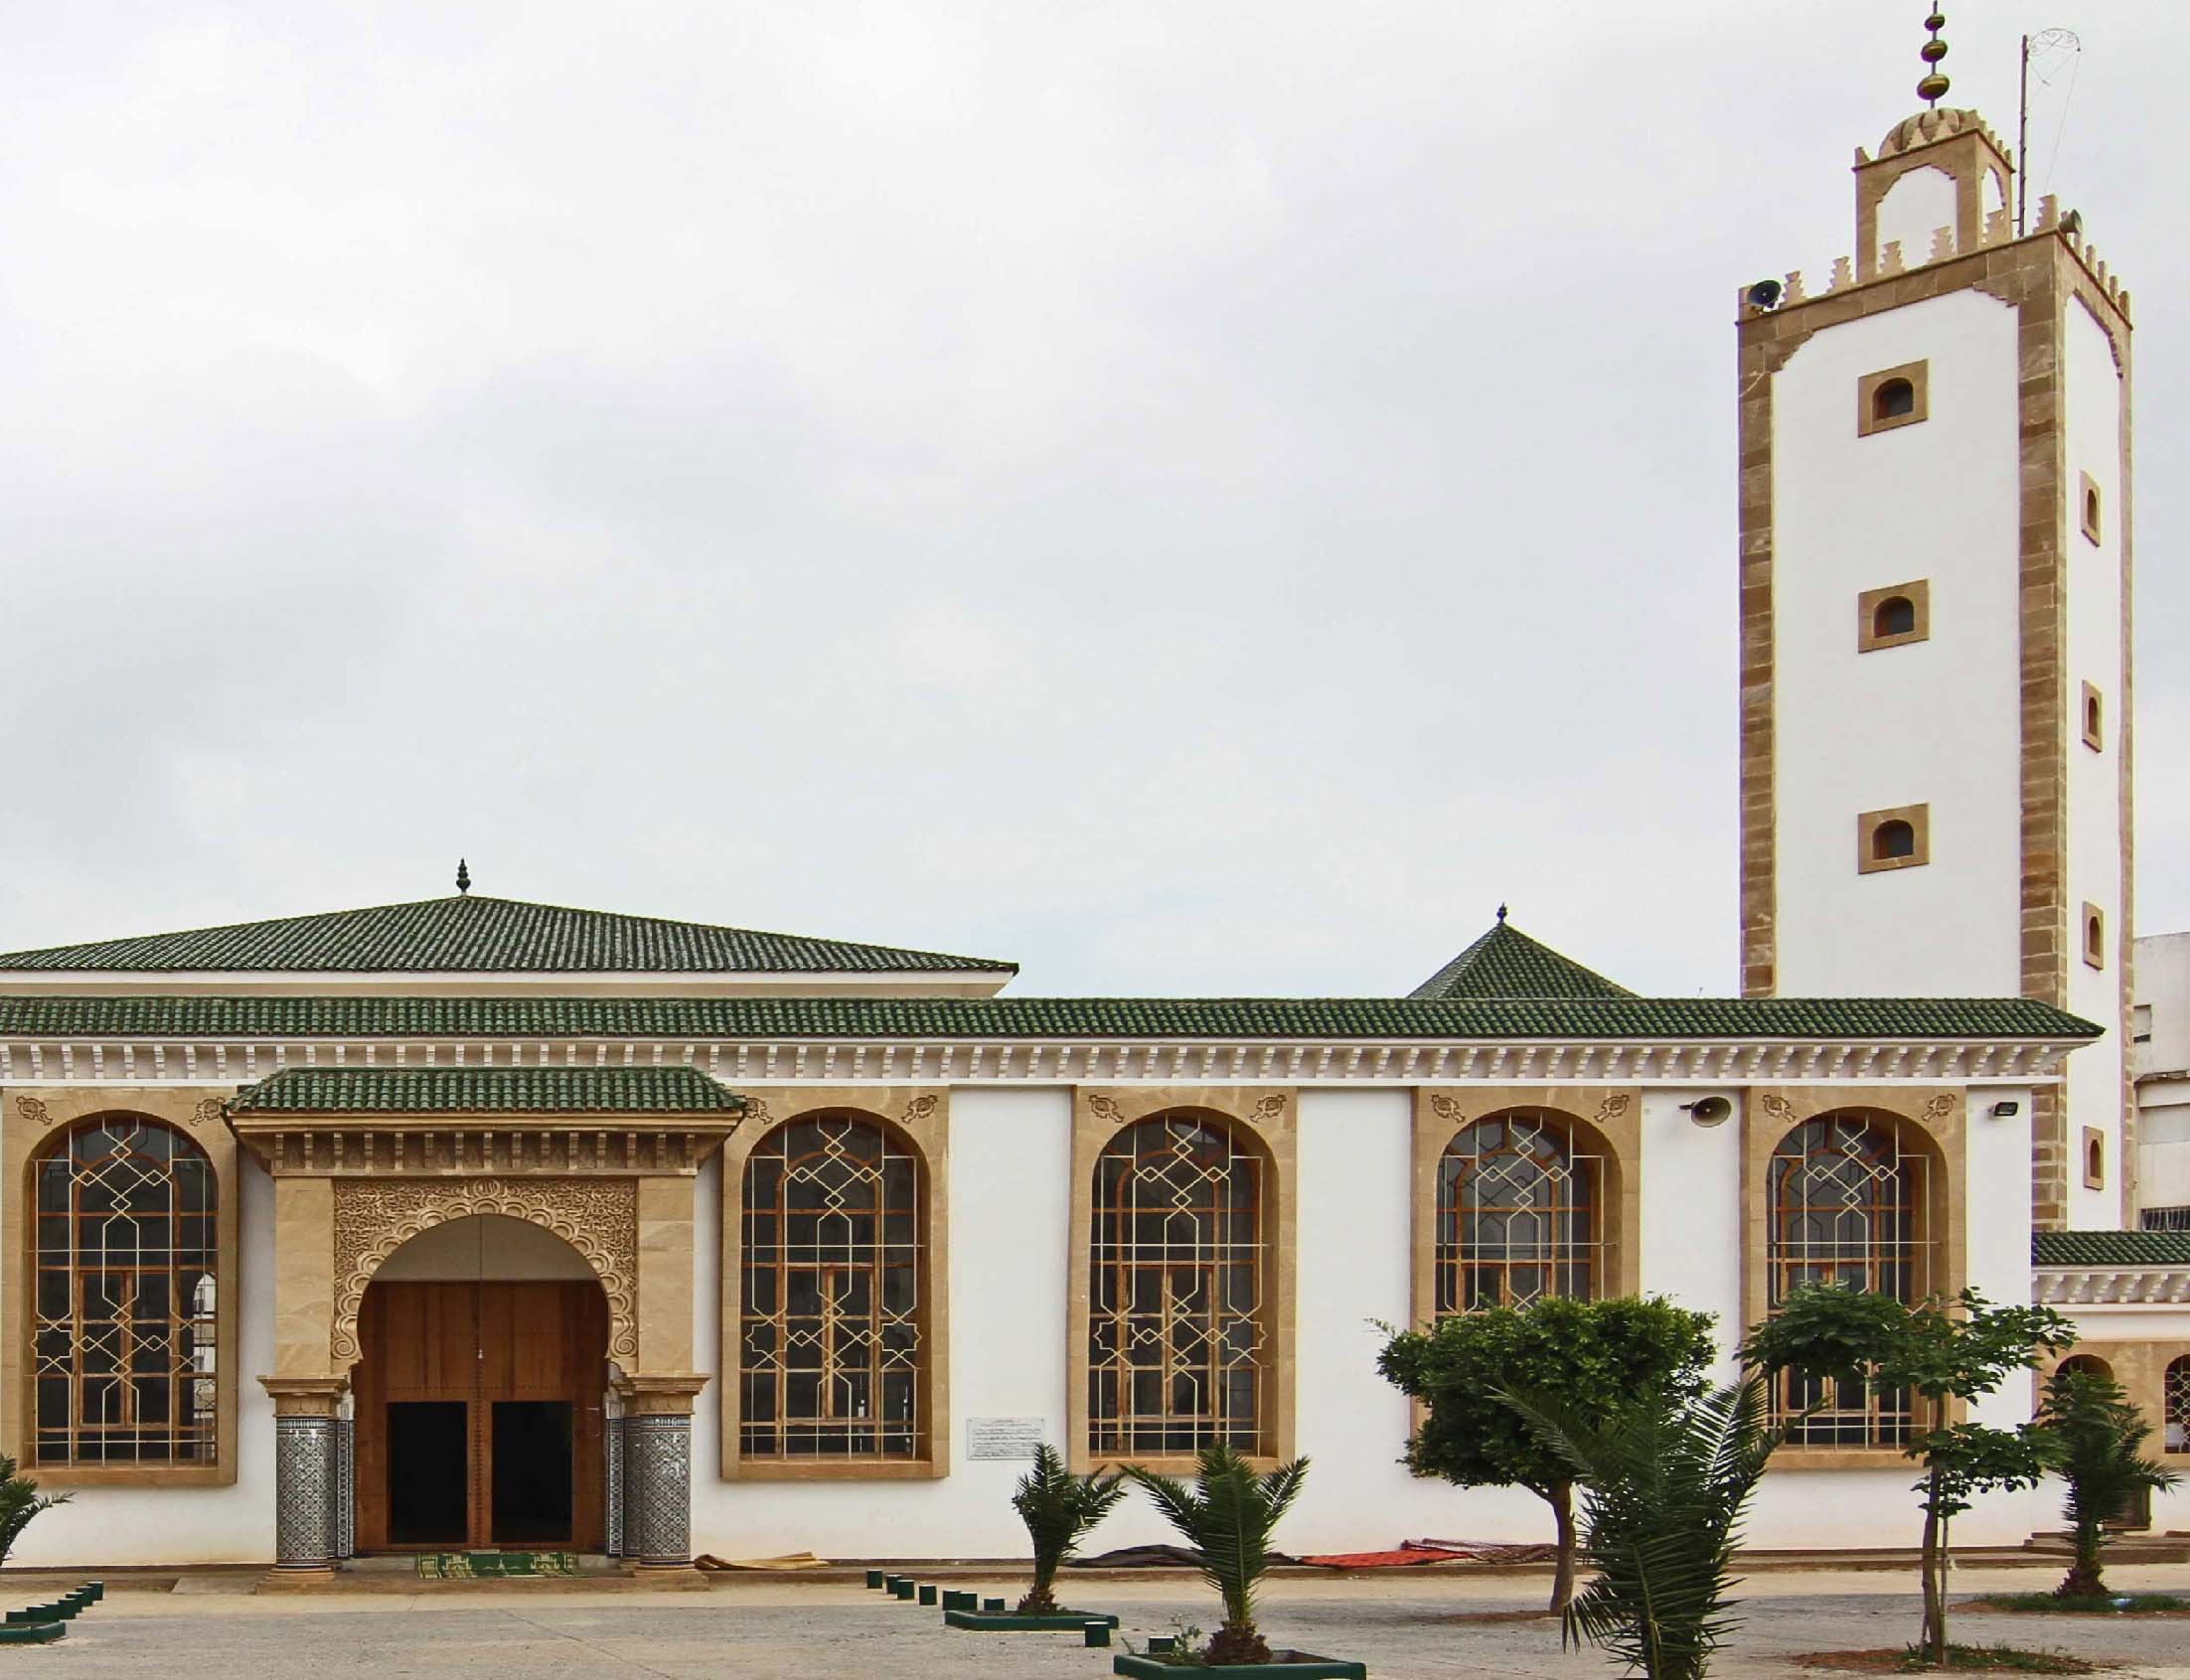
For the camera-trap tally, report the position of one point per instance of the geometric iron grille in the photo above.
(830, 1350)
(1177, 1355)
(1847, 1212)
(1517, 1215)
(124, 1299)
(2175, 1400)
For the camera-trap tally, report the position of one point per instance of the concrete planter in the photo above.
(1010, 1621)
(1290, 1665)
(33, 1632)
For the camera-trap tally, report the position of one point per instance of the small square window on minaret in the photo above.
(1892, 397)
(2087, 498)
(1893, 616)
(1898, 838)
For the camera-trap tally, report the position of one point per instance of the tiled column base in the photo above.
(657, 1490)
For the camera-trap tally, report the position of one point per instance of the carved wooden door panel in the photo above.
(446, 1372)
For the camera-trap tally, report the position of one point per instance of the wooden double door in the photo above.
(479, 1416)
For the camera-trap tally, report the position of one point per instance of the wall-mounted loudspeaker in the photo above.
(1764, 294)
(1708, 1111)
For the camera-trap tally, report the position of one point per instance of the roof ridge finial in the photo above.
(463, 877)
(1502, 915)
(1933, 85)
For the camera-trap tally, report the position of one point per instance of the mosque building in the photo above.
(474, 1222)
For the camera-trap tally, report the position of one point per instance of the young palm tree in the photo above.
(1666, 1483)
(2097, 1440)
(1228, 1516)
(19, 1502)
(1058, 1507)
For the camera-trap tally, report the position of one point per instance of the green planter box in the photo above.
(1290, 1665)
(1010, 1621)
(33, 1632)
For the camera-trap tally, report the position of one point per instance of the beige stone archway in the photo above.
(597, 1217)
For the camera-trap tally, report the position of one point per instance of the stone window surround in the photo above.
(2088, 507)
(1918, 593)
(1867, 418)
(2094, 719)
(1262, 1116)
(2095, 1159)
(1607, 1119)
(1931, 1118)
(2094, 924)
(1867, 825)
(919, 1117)
(28, 1126)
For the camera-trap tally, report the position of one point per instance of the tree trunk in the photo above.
(2086, 1577)
(1561, 1495)
(1934, 1595)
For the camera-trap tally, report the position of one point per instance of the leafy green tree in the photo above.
(2096, 1436)
(1941, 1354)
(1564, 1352)
(20, 1501)
(1228, 1516)
(1665, 1484)
(1058, 1507)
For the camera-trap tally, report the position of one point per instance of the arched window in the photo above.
(1519, 1214)
(2175, 1401)
(1176, 1357)
(2089, 1364)
(1892, 399)
(1896, 615)
(124, 1296)
(1892, 839)
(832, 1244)
(1846, 1209)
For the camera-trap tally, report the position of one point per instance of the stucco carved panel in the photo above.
(597, 1217)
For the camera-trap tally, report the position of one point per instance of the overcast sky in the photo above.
(1192, 496)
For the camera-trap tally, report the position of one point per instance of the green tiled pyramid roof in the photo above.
(1370, 1018)
(2109, 1248)
(477, 935)
(1507, 963)
(456, 1090)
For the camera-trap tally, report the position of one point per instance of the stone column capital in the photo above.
(305, 1397)
(661, 1394)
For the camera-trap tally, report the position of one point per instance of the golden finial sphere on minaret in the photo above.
(1934, 85)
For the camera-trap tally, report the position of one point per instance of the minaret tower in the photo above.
(1935, 612)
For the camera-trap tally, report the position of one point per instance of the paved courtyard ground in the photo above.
(1410, 1628)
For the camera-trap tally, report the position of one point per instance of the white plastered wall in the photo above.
(2092, 445)
(191, 1525)
(1934, 722)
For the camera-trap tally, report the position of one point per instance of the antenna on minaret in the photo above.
(2038, 46)
(1933, 85)
(463, 877)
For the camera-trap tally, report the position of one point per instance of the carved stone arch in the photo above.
(598, 1218)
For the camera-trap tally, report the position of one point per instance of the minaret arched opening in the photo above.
(1893, 398)
(1890, 839)
(1896, 615)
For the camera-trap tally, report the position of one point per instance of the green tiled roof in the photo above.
(2109, 1248)
(1038, 1018)
(475, 935)
(457, 1089)
(1507, 963)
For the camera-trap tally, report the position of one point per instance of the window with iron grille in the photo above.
(1517, 1214)
(2175, 1405)
(831, 1343)
(125, 1296)
(1177, 1355)
(1846, 1210)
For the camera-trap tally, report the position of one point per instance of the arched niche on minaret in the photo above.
(1942, 168)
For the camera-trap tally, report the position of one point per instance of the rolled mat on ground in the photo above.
(1414, 1551)
(789, 1560)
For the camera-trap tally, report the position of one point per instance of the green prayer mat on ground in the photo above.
(475, 1566)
